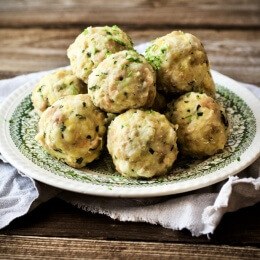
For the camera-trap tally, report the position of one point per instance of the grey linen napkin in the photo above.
(199, 211)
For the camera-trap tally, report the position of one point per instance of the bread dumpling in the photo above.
(142, 143)
(182, 64)
(203, 125)
(54, 86)
(72, 130)
(122, 81)
(93, 45)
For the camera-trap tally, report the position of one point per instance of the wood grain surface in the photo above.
(59, 219)
(235, 53)
(34, 36)
(17, 247)
(138, 13)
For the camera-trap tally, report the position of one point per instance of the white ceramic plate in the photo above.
(18, 126)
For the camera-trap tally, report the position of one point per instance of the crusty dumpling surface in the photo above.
(181, 63)
(142, 143)
(72, 130)
(122, 81)
(203, 125)
(93, 45)
(54, 86)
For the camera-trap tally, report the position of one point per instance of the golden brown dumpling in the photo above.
(122, 81)
(72, 130)
(93, 45)
(142, 143)
(203, 125)
(54, 86)
(181, 63)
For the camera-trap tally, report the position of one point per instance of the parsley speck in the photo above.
(93, 87)
(163, 50)
(80, 116)
(108, 53)
(133, 59)
(57, 150)
(151, 151)
(62, 127)
(114, 27)
(151, 111)
(118, 41)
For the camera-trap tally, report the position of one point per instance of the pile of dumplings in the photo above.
(145, 109)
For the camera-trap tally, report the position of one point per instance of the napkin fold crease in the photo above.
(198, 211)
(17, 194)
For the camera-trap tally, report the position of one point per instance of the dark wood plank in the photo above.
(59, 219)
(203, 13)
(234, 53)
(34, 247)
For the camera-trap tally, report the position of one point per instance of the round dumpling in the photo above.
(55, 86)
(142, 143)
(122, 81)
(203, 125)
(93, 45)
(72, 130)
(181, 63)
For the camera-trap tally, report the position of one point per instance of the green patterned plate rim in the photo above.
(18, 127)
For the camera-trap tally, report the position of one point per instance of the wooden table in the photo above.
(34, 36)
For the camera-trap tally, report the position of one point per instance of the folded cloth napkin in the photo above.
(199, 211)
